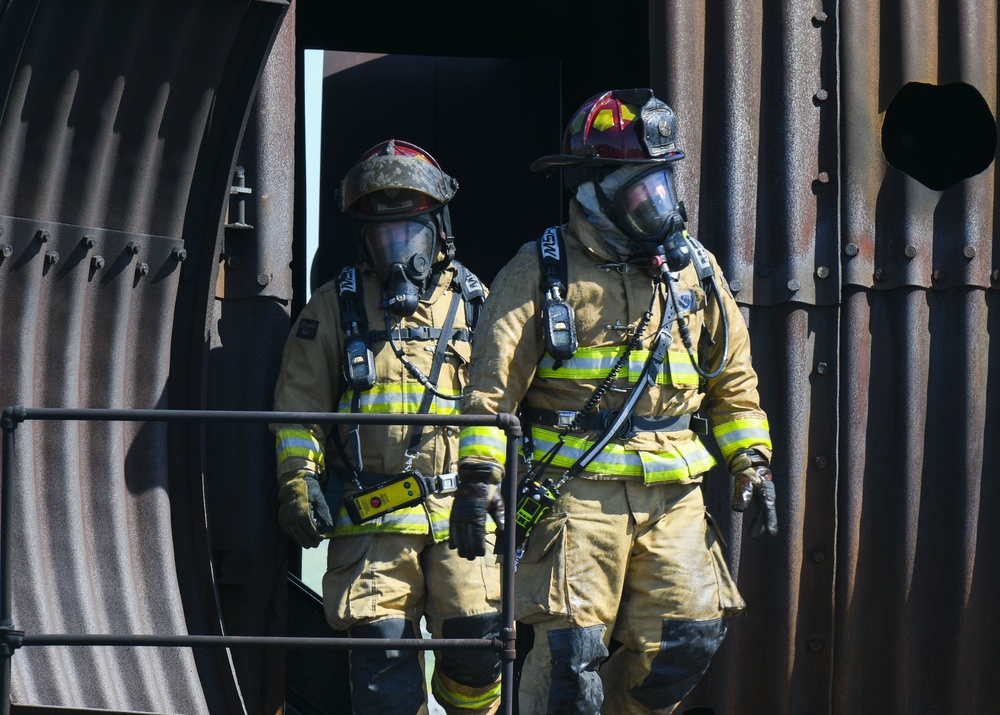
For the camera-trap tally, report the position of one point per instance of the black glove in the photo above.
(302, 506)
(753, 482)
(475, 498)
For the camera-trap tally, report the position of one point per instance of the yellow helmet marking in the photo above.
(604, 120)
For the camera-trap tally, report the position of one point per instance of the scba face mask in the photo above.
(402, 254)
(647, 206)
(647, 210)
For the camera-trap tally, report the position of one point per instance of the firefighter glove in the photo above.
(301, 506)
(753, 483)
(475, 498)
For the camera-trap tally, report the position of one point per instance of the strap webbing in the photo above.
(439, 353)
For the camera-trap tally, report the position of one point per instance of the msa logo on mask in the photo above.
(549, 245)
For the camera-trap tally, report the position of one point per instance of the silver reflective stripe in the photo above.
(691, 459)
(596, 363)
(405, 401)
(412, 520)
(740, 434)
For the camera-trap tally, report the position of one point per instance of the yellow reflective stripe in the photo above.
(741, 434)
(603, 120)
(460, 700)
(689, 460)
(298, 443)
(682, 372)
(614, 459)
(596, 363)
(587, 363)
(440, 524)
(488, 442)
(399, 398)
(411, 520)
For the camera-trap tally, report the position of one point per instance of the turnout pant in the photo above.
(379, 586)
(625, 569)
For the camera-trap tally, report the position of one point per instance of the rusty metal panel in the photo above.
(754, 86)
(875, 596)
(248, 327)
(79, 306)
(121, 124)
(916, 577)
(788, 581)
(896, 230)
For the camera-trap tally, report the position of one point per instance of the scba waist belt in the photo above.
(601, 420)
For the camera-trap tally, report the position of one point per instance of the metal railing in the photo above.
(12, 639)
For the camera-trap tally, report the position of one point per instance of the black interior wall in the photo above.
(484, 138)
(485, 88)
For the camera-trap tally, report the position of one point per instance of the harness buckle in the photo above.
(445, 483)
(565, 418)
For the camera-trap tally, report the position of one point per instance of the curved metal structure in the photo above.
(120, 125)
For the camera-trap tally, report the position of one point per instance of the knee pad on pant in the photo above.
(386, 681)
(686, 650)
(575, 685)
(474, 668)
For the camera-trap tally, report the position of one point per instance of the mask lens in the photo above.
(398, 242)
(647, 203)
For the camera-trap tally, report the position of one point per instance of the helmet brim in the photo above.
(560, 161)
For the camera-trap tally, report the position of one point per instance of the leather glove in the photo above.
(301, 506)
(475, 498)
(753, 483)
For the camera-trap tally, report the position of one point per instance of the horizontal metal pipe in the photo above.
(192, 641)
(19, 413)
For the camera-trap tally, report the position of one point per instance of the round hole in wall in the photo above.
(939, 134)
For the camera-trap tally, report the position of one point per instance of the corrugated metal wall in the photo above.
(871, 299)
(119, 127)
(873, 305)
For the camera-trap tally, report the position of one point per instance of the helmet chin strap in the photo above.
(443, 220)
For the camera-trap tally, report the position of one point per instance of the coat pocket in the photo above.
(347, 596)
(541, 572)
(730, 600)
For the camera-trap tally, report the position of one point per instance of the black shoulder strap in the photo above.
(702, 265)
(350, 292)
(552, 255)
(473, 293)
(432, 378)
(353, 321)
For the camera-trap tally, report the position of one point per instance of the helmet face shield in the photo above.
(409, 244)
(394, 202)
(647, 205)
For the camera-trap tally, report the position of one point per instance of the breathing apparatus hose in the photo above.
(686, 334)
(413, 369)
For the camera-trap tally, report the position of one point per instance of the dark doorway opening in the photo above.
(483, 120)
(486, 88)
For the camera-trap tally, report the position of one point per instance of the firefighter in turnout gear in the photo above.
(615, 338)
(390, 335)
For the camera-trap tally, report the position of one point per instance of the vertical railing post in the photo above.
(512, 429)
(12, 416)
